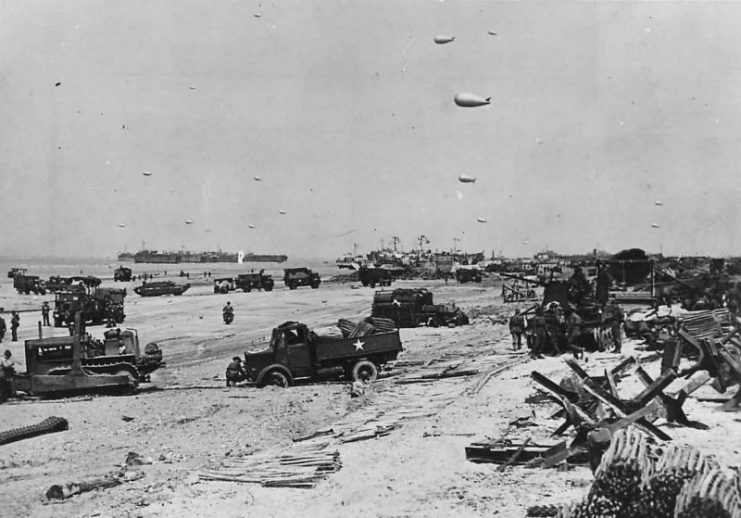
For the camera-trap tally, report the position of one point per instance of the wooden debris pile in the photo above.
(593, 407)
(303, 466)
(369, 326)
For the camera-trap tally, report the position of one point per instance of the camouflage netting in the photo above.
(638, 479)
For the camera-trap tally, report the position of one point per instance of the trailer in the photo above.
(294, 353)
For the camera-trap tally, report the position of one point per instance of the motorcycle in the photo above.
(228, 317)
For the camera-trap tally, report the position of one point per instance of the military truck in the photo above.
(115, 361)
(294, 353)
(122, 274)
(295, 277)
(224, 285)
(26, 284)
(370, 276)
(468, 274)
(413, 307)
(560, 295)
(155, 289)
(249, 281)
(93, 306)
(57, 283)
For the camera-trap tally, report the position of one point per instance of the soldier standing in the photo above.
(573, 328)
(7, 370)
(15, 322)
(617, 321)
(516, 328)
(45, 313)
(2, 328)
(538, 326)
(110, 313)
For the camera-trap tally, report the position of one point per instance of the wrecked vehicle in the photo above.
(413, 307)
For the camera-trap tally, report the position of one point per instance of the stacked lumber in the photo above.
(701, 325)
(636, 478)
(369, 326)
(304, 466)
(382, 325)
(362, 329)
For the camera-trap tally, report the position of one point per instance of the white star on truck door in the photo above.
(396, 303)
(359, 345)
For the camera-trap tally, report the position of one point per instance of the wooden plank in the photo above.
(515, 455)
(612, 387)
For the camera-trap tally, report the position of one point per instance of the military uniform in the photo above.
(539, 333)
(15, 322)
(235, 372)
(516, 328)
(616, 327)
(45, 314)
(7, 370)
(573, 328)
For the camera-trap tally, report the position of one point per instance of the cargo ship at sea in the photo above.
(186, 256)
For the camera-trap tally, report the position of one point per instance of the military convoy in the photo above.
(294, 353)
(245, 282)
(94, 306)
(26, 284)
(295, 277)
(257, 281)
(414, 307)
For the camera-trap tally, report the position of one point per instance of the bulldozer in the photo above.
(80, 363)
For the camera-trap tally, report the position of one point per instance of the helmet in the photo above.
(228, 303)
(237, 359)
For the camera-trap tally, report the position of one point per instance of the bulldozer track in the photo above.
(48, 425)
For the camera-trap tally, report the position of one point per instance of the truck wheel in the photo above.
(291, 286)
(277, 379)
(364, 371)
(247, 289)
(433, 322)
(314, 284)
(372, 284)
(268, 286)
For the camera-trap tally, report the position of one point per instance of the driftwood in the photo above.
(48, 425)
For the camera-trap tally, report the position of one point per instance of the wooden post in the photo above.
(40, 335)
(76, 362)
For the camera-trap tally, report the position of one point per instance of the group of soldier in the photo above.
(15, 323)
(556, 329)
